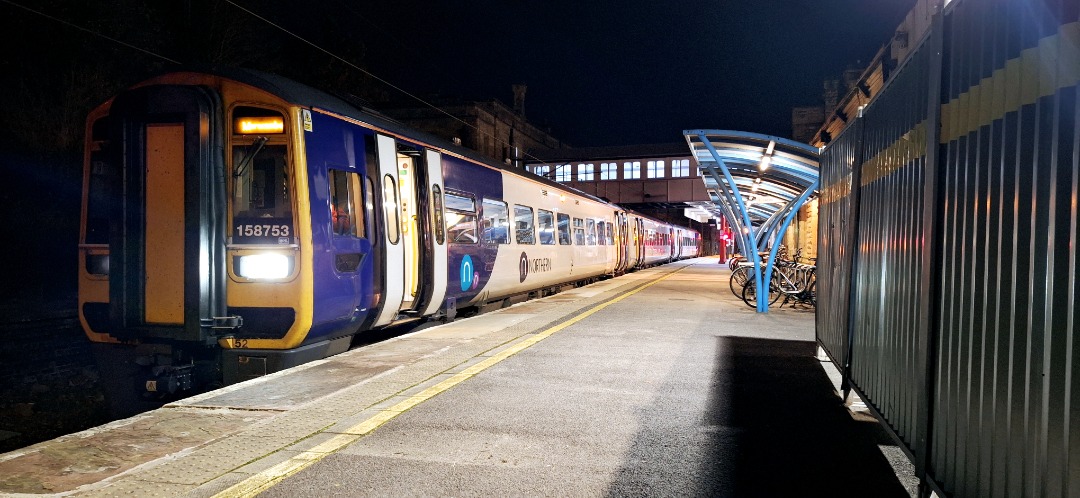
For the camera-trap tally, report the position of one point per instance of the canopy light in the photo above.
(766, 158)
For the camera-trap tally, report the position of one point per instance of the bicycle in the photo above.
(741, 269)
(797, 282)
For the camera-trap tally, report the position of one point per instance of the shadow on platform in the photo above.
(774, 427)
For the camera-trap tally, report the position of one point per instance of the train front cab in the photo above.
(372, 209)
(371, 205)
(188, 234)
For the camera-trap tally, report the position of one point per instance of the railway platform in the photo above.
(655, 383)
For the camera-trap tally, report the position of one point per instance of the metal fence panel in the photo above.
(835, 241)
(1003, 403)
(979, 387)
(887, 276)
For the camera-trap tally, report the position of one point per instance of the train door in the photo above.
(620, 242)
(435, 277)
(409, 180)
(394, 276)
(639, 240)
(166, 232)
(408, 213)
(676, 244)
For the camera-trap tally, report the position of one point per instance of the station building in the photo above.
(662, 180)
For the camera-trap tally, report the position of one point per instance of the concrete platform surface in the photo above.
(656, 383)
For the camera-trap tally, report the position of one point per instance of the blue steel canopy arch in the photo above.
(758, 183)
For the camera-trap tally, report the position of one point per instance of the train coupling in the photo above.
(223, 322)
(167, 379)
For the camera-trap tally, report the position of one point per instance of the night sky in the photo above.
(598, 73)
(616, 73)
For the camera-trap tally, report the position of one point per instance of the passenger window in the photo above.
(564, 229)
(524, 231)
(546, 220)
(610, 236)
(496, 222)
(390, 207)
(346, 198)
(460, 219)
(579, 231)
(591, 232)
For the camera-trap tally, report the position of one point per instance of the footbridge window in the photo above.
(655, 169)
(609, 171)
(680, 168)
(585, 172)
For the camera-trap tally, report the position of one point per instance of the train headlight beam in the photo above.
(265, 266)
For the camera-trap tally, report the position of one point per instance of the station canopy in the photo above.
(757, 183)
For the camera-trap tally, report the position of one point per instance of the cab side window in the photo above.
(346, 198)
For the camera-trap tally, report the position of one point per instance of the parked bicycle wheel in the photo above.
(749, 294)
(738, 280)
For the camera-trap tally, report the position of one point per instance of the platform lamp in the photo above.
(766, 158)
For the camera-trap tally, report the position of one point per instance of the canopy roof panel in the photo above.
(789, 168)
(757, 182)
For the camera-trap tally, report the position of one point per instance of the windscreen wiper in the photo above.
(252, 151)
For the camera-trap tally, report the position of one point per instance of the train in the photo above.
(236, 223)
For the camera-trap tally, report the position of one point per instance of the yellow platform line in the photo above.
(264, 480)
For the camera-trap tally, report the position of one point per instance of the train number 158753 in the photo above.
(262, 230)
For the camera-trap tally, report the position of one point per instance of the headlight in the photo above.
(263, 266)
